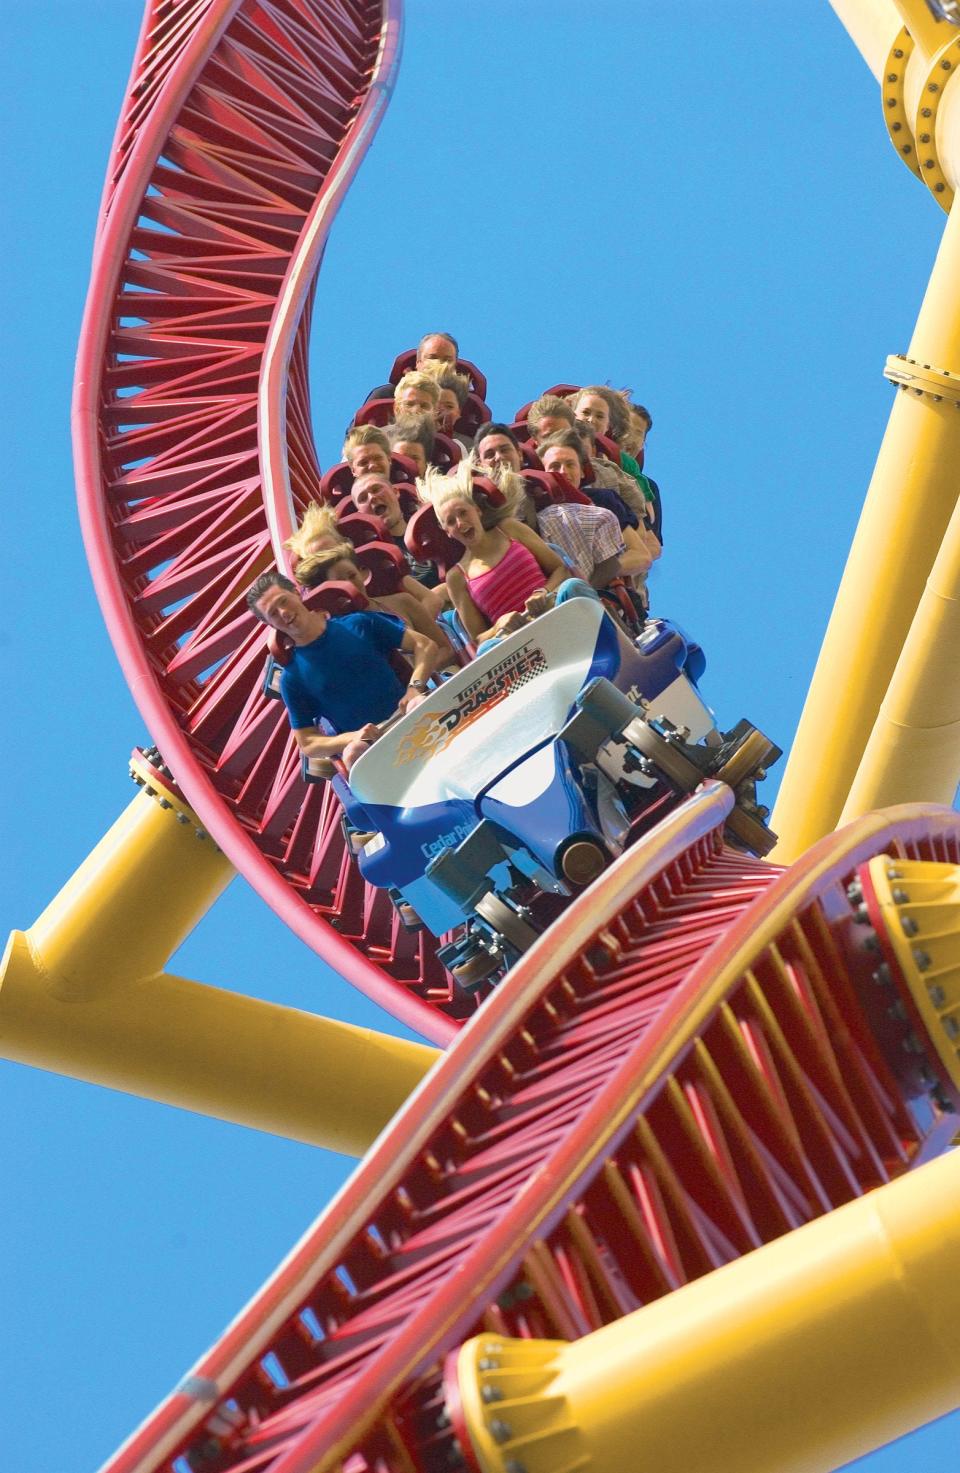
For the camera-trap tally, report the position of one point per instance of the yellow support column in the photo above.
(913, 753)
(805, 1354)
(133, 901)
(84, 993)
(928, 31)
(871, 26)
(907, 510)
(917, 912)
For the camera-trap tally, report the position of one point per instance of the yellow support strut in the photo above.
(911, 498)
(919, 904)
(84, 993)
(807, 1353)
(914, 749)
(871, 26)
(929, 31)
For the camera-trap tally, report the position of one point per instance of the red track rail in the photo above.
(244, 123)
(680, 1072)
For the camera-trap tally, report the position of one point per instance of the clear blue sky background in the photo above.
(637, 192)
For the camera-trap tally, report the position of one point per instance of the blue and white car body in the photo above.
(501, 770)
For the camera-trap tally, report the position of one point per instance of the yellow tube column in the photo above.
(908, 507)
(797, 1358)
(133, 901)
(84, 993)
(913, 752)
(928, 31)
(871, 26)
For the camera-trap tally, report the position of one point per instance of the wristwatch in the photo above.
(420, 685)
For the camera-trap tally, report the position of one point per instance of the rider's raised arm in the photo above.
(427, 655)
(418, 617)
(637, 558)
(653, 544)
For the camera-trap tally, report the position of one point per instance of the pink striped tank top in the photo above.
(507, 585)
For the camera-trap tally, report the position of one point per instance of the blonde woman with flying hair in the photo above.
(317, 534)
(338, 563)
(454, 388)
(318, 529)
(507, 574)
(416, 393)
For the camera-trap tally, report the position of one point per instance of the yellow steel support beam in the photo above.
(927, 30)
(908, 507)
(132, 902)
(84, 993)
(919, 901)
(797, 1358)
(871, 26)
(913, 752)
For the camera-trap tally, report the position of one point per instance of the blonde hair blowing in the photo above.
(513, 486)
(318, 521)
(438, 489)
(447, 377)
(311, 570)
(508, 481)
(417, 379)
(553, 405)
(365, 435)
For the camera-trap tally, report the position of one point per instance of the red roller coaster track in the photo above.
(680, 1072)
(243, 126)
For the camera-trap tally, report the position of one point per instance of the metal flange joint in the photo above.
(911, 109)
(918, 905)
(938, 385)
(895, 114)
(927, 146)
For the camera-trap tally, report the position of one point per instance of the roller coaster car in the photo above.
(517, 781)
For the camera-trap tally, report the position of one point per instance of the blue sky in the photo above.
(643, 193)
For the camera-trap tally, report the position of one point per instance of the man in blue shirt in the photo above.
(340, 670)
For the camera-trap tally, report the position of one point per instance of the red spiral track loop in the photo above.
(244, 123)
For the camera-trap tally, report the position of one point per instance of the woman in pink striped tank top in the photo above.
(504, 563)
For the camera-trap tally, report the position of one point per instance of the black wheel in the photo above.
(504, 920)
(474, 971)
(355, 838)
(756, 751)
(749, 832)
(408, 916)
(317, 769)
(665, 756)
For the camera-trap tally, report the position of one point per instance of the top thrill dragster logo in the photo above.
(432, 733)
